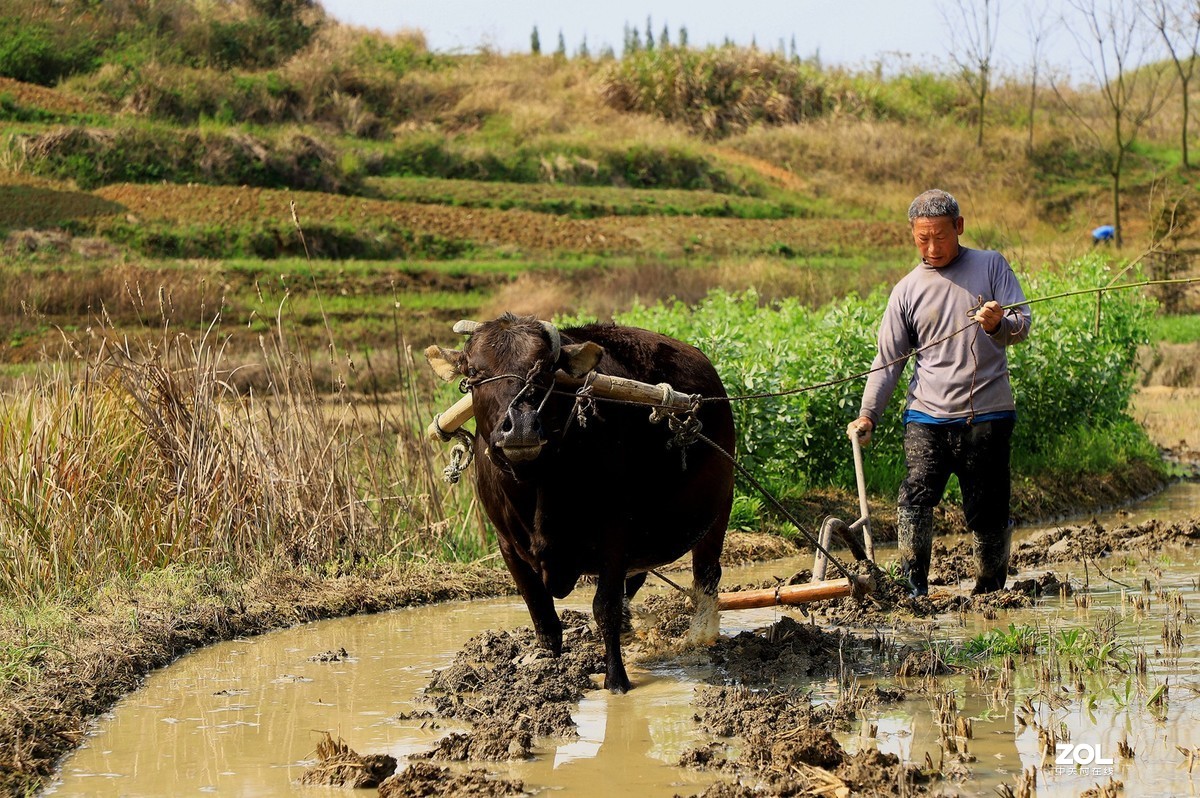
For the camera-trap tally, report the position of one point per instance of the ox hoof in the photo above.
(551, 643)
(617, 684)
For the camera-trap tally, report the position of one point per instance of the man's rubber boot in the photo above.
(914, 532)
(991, 560)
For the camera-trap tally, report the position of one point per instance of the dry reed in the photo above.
(148, 455)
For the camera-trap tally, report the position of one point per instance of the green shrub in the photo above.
(144, 154)
(635, 165)
(35, 52)
(1073, 382)
(716, 91)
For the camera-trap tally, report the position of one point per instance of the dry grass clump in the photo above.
(716, 91)
(148, 456)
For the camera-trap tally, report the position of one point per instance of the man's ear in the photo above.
(447, 363)
(959, 225)
(579, 359)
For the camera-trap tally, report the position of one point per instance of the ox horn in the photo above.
(555, 338)
(465, 327)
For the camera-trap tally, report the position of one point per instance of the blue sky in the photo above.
(853, 33)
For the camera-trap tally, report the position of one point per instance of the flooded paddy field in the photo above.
(950, 695)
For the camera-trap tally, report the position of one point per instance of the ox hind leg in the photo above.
(608, 609)
(706, 578)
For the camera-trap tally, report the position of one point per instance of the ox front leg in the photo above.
(706, 579)
(607, 608)
(546, 623)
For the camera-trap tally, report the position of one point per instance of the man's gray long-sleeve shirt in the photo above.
(967, 375)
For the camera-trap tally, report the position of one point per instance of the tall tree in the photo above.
(1038, 24)
(1178, 24)
(1112, 38)
(535, 42)
(973, 26)
(561, 50)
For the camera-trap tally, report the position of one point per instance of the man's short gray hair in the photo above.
(932, 204)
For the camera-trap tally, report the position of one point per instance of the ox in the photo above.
(610, 498)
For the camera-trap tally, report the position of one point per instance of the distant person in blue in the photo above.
(1105, 232)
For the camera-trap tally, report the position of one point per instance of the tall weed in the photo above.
(150, 456)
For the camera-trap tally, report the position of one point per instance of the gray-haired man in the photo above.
(960, 411)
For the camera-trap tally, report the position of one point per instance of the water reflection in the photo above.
(240, 718)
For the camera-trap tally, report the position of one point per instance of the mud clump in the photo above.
(333, 655)
(1094, 541)
(421, 779)
(512, 690)
(786, 650)
(740, 711)
(340, 766)
(788, 748)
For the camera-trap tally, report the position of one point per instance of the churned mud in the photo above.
(339, 765)
(765, 728)
(766, 735)
(511, 690)
(422, 778)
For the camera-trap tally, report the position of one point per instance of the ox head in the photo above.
(508, 364)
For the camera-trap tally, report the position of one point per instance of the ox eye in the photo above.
(472, 371)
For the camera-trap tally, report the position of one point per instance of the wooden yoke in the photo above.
(602, 385)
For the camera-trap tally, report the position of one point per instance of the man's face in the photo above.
(937, 239)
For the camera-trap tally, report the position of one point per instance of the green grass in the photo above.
(583, 202)
(1183, 329)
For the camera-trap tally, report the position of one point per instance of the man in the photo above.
(960, 411)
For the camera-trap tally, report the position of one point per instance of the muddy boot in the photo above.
(991, 560)
(914, 532)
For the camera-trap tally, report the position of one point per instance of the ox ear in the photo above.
(447, 363)
(579, 359)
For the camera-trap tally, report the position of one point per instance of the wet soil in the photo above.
(339, 765)
(512, 692)
(49, 718)
(768, 736)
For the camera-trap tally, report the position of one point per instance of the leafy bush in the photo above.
(35, 52)
(636, 165)
(1071, 380)
(716, 91)
(141, 154)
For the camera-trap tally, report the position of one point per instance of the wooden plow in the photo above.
(449, 422)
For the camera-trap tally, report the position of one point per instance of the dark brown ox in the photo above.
(611, 499)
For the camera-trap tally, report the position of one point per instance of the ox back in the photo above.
(611, 498)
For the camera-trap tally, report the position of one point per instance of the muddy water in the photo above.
(242, 718)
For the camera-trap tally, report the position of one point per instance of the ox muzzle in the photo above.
(520, 436)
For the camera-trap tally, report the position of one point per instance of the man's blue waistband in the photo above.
(925, 418)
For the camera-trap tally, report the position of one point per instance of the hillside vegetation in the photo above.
(175, 137)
